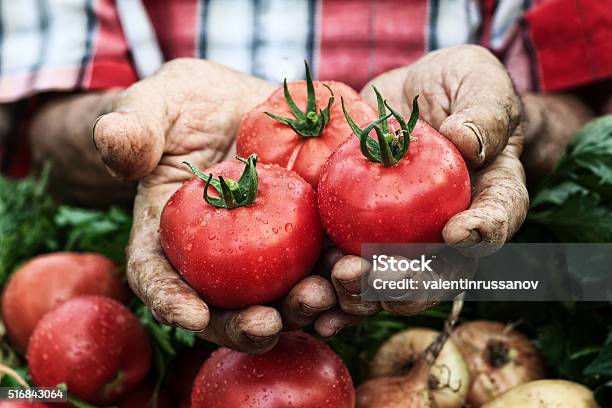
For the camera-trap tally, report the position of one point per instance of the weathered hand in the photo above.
(551, 121)
(61, 135)
(467, 95)
(189, 111)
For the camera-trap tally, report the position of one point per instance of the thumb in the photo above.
(481, 132)
(131, 138)
(485, 109)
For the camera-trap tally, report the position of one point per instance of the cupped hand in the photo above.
(467, 95)
(189, 111)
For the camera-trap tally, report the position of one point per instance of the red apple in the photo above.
(94, 345)
(48, 280)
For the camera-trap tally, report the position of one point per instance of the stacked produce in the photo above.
(48, 280)
(242, 233)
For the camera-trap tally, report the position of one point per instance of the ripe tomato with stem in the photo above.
(280, 132)
(402, 187)
(245, 238)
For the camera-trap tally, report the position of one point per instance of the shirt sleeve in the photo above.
(61, 46)
(572, 42)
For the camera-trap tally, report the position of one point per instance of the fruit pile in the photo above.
(243, 234)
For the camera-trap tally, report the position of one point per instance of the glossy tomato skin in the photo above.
(364, 202)
(248, 255)
(277, 143)
(94, 345)
(48, 280)
(299, 371)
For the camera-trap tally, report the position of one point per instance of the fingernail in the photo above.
(112, 172)
(472, 239)
(335, 330)
(257, 339)
(189, 330)
(93, 130)
(309, 310)
(352, 287)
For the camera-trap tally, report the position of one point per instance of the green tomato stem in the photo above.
(390, 147)
(232, 194)
(312, 122)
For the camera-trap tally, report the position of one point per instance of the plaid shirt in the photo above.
(65, 45)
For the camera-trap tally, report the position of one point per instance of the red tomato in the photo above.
(94, 345)
(252, 254)
(48, 280)
(299, 371)
(278, 143)
(362, 201)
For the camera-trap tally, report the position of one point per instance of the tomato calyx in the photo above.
(310, 123)
(392, 144)
(232, 194)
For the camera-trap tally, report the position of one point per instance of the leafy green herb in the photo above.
(26, 222)
(104, 232)
(167, 340)
(575, 202)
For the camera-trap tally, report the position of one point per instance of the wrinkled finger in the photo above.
(150, 275)
(130, 138)
(485, 110)
(253, 330)
(334, 320)
(307, 300)
(499, 206)
(387, 85)
(467, 94)
(347, 279)
(550, 123)
(448, 265)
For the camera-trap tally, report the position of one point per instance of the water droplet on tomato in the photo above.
(257, 373)
(211, 236)
(288, 227)
(275, 230)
